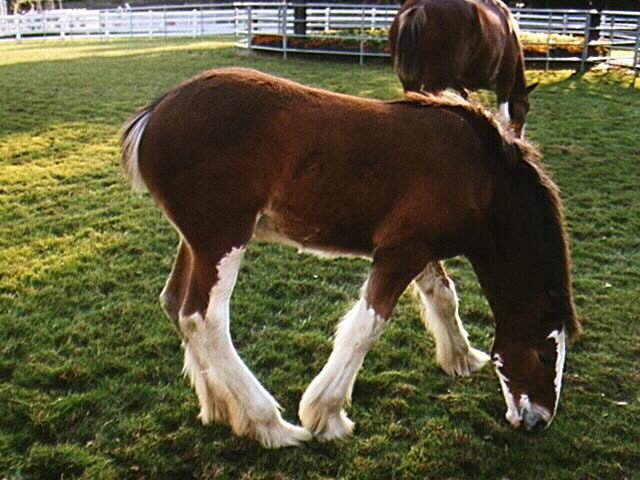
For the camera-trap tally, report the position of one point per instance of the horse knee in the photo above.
(444, 298)
(187, 324)
(170, 305)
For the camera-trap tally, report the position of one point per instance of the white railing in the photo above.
(323, 24)
(596, 36)
(191, 21)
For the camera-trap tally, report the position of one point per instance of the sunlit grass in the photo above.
(90, 368)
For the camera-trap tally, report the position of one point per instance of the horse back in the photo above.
(325, 170)
(461, 43)
(427, 42)
(497, 40)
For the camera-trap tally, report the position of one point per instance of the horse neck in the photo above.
(519, 88)
(524, 265)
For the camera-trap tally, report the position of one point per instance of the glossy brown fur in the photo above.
(460, 44)
(234, 152)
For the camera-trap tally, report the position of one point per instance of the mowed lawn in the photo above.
(90, 369)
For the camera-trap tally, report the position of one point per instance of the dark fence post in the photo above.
(591, 33)
(300, 17)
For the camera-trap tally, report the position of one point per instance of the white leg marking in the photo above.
(227, 390)
(560, 338)
(454, 353)
(527, 412)
(513, 415)
(321, 408)
(503, 112)
(532, 413)
(524, 128)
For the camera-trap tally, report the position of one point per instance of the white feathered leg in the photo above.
(227, 390)
(454, 353)
(322, 406)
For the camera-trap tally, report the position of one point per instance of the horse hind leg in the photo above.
(173, 293)
(440, 315)
(227, 390)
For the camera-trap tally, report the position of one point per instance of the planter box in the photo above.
(538, 48)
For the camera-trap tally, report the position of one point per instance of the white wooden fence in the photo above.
(196, 20)
(618, 31)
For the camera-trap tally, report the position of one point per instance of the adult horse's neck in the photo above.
(524, 265)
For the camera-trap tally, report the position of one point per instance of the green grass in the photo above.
(90, 367)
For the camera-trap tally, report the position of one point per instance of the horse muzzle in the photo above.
(528, 415)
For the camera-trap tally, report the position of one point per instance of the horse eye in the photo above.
(544, 359)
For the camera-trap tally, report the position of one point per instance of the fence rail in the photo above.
(612, 36)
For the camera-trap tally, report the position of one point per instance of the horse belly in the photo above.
(269, 229)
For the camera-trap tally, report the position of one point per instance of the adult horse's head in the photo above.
(524, 269)
(519, 108)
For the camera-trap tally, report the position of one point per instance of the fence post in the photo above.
(362, 40)
(284, 30)
(249, 28)
(636, 54)
(548, 46)
(68, 20)
(106, 17)
(327, 19)
(592, 22)
(164, 22)
(235, 21)
(300, 17)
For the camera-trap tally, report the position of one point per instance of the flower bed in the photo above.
(373, 41)
(557, 46)
(535, 45)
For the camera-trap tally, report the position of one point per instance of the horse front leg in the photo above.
(454, 353)
(322, 406)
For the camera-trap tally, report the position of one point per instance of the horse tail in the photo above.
(130, 136)
(409, 48)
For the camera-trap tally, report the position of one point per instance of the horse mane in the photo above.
(528, 207)
(479, 117)
(539, 216)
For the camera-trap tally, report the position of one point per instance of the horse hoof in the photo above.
(466, 364)
(281, 434)
(331, 424)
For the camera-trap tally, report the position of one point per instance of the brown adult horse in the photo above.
(438, 44)
(234, 153)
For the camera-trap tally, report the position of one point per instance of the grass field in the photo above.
(90, 367)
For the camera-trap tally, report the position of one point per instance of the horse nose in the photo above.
(534, 420)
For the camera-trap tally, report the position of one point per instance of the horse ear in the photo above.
(532, 87)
